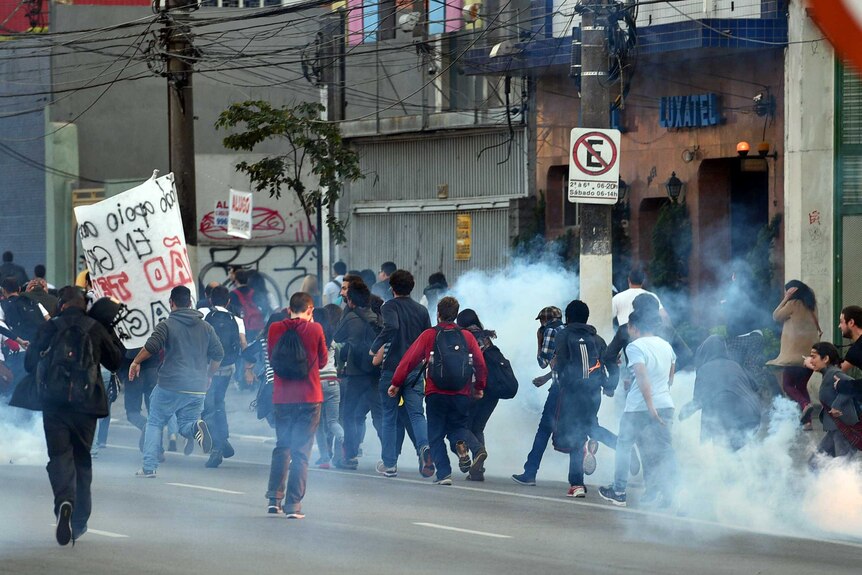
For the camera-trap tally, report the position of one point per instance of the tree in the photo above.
(313, 147)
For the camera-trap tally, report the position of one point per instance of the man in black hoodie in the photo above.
(357, 329)
(193, 353)
(403, 321)
(70, 426)
(581, 376)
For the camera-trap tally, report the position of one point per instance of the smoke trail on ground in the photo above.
(767, 486)
(22, 440)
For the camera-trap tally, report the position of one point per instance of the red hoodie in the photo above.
(421, 350)
(304, 390)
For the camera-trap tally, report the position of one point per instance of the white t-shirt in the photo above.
(658, 357)
(621, 304)
(332, 290)
(239, 322)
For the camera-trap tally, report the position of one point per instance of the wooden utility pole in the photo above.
(595, 219)
(181, 129)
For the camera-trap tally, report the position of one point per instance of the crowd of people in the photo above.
(427, 370)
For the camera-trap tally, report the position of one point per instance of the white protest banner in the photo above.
(136, 253)
(239, 220)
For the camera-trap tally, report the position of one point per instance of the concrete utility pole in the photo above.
(181, 129)
(595, 226)
(333, 71)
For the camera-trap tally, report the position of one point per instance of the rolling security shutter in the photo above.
(849, 161)
(850, 132)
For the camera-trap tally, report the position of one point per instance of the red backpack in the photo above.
(251, 314)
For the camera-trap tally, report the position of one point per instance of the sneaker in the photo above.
(578, 491)
(215, 459)
(324, 465)
(524, 479)
(274, 507)
(227, 450)
(426, 465)
(464, 462)
(172, 442)
(386, 471)
(190, 446)
(94, 452)
(351, 464)
(296, 515)
(64, 523)
(477, 468)
(590, 456)
(203, 437)
(634, 463)
(608, 494)
(145, 473)
(445, 481)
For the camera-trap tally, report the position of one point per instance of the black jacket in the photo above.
(352, 330)
(403, 321)
(106, 347)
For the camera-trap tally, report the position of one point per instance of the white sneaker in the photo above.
(445, 481)
(386, 471)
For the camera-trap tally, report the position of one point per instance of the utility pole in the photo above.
(176, 35)
(595, 219)
(332, 97)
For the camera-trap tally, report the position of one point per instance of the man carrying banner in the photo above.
(192, 354)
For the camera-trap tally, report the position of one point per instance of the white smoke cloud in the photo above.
(22, 440)
(767, 486)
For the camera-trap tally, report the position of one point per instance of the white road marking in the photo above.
(459, 530)
(204, 488)
(110, 534)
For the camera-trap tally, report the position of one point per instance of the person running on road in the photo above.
(192, 354)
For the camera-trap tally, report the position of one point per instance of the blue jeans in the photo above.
(448, 416)
(330, 434)
(543, 434)
(656, 449)
(413, 402)
(295, 424)
(214, 411)
(163, 405)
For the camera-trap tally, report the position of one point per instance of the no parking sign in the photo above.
(594, 166)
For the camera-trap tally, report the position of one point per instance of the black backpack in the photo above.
(289, 359)
(593, 374)
(23, 316)
(451, 365)
(359, 356)
(68, 373)
(227, 330)
(502, 383)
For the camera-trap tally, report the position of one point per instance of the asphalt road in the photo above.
(197, 520)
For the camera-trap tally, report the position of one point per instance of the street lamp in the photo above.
(623, 191)
(673, 186)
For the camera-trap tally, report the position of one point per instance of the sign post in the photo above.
(594, 166)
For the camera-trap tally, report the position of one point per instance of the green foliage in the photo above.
(312, 147)
(671, 246)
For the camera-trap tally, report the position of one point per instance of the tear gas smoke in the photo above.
(22, 440)
(766, 486)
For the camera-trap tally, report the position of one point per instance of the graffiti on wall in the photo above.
(282, 267)
(267, 223)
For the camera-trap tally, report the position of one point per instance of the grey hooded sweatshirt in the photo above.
(189, 344)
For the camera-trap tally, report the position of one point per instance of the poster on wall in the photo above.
(221, 214)
(463, 237)
(239, 219)
(136, 252)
